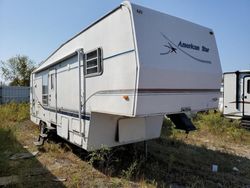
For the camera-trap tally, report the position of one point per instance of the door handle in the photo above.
(245, 97)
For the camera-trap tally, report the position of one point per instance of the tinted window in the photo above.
(248, 86)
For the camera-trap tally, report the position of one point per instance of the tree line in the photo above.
(17, 70)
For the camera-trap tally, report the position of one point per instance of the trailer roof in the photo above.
(40, 68)
(239, 71)
(128, 4)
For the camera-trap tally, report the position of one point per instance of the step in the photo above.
(51, 128)
(246, 127)
(246, 124)
(43, 135)
(38, 143)
(245, 121)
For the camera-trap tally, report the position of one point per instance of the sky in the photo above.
(37, 28)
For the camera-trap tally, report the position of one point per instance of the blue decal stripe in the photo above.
(122, 53)
(72, 114)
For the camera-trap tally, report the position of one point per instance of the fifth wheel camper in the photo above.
(113, 83)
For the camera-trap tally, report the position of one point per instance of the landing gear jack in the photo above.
(42, 136)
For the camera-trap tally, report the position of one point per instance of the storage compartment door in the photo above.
(132, 129)
(229, 107)
(65, 128)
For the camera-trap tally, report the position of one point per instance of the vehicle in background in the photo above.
(237, 96)
(220, 106)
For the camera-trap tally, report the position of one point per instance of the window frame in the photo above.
(99, 65)
(248, 86)
(52, 81)
(45, 96)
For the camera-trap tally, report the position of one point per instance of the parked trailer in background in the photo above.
(14, 94)
(112, 83)
(237, 96)
(221, 100)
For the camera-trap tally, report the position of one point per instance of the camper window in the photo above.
(45, 89)
(248, 86)
(52, 78)
(93, 66)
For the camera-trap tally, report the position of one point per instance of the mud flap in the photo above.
(182, 122)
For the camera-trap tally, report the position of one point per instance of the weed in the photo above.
(197, 183)
(171, 160)
(116, 183)
(99, 155)
(104, 159)
(219, 126)
(130, 172)
(13, 112)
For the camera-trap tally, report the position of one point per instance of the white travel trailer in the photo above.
(221, 100)
(112, 83)
(237, 96)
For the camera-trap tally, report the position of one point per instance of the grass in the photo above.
(174, 158)
(217, 133)
(56, 159)
(10, 116)
(214, 123)
(13, 125)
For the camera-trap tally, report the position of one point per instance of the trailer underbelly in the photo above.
(106, 130)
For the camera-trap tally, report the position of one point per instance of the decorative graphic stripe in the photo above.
(140, 90)
(233, 115)
(195, 58)
(177, 90)
(67, 113)
(157, 90)
(122, 53)
(247, 102)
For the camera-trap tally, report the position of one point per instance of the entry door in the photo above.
(52, 103)
(246, 97)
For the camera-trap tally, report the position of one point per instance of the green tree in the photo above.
(17, 70)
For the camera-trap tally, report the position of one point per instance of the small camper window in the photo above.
(45, 89)
(93, 64)
(248, 86)
(52, 79)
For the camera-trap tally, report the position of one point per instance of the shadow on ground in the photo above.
(169, 162)
(26, 172)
